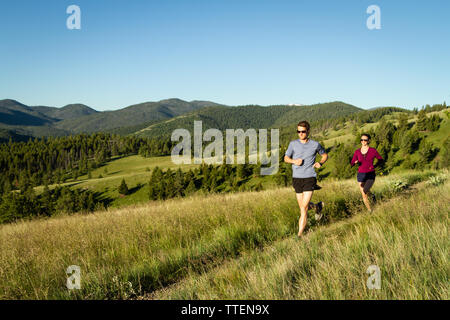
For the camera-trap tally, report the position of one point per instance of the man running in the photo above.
(302, 154)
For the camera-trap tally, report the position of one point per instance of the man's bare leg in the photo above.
(303, 200)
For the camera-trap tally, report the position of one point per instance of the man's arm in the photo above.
(297, 162)
(288, 160)
(323, 159)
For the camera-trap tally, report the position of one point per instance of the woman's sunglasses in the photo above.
(301, 131)
(364, 139)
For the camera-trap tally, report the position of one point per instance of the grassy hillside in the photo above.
(241, 245)
(406, 237)
(136, 171)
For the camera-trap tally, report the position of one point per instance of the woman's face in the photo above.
(364, 141)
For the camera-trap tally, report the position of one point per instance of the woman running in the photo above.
(366, 172)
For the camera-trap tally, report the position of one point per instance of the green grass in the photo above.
(133, 169)
(143, 249)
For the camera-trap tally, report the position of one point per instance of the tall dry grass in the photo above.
(132, 251)
(406, 237)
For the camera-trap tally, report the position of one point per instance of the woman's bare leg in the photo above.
(364, 195)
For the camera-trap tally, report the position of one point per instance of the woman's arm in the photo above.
(379, 158)
(354, 159)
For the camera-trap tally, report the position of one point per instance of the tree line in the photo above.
(207, 178)
(56, 160)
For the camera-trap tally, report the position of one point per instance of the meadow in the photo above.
(241, 245)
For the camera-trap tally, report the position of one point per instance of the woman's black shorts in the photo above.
(304, 184)
(364, 176)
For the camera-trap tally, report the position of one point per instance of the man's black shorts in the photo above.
(304, 184)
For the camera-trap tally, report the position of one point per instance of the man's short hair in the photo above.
(304, 124)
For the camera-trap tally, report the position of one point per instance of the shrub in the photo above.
(397, 186)
(437, 180)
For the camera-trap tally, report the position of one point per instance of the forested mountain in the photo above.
(6, 135)
(250, 116)
(21, 120)
(71, 111)
(132, 115)
(14, 113)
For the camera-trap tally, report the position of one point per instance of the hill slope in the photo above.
(132, 115)
(40, 121)
(70, 111)
(239, 245)
(14, 113)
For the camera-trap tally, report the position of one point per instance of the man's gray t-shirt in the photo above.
(306, 151)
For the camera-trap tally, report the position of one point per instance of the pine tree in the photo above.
(152, 191)
(281, 176)
(403, 121)
(422, 121)
(343, 155)
(445, 162)
(259, 186)
(434, 123)
(190, 188)
(123, 188)
(426, 150)
(178, 184)
(46, 201)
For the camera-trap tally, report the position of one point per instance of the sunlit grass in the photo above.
(136, 250)
(407, 238)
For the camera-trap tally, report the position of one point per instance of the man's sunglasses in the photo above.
(364, 140)
(301, 131)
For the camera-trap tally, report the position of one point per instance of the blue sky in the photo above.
(230, 52)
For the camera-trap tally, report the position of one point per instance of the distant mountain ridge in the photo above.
(70, 111)
(156, 119)
(77, 118)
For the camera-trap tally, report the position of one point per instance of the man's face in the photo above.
(302, 132)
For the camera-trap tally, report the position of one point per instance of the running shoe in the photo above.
(319, 207)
